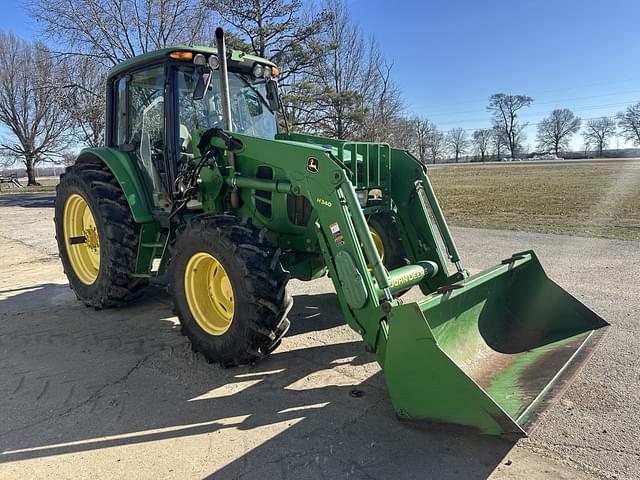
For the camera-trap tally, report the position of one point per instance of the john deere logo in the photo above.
(313, 165)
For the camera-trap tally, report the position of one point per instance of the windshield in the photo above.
(249, 111)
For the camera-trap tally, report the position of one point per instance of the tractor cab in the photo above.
(156, 102)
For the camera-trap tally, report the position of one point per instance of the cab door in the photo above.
(141, 129)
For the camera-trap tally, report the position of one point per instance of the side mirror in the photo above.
(273, 97)
(204, 80)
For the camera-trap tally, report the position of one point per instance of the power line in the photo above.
(537, 114)
(577, 87)
(612, 117)
(562, 100)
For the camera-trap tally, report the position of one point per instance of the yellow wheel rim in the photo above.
(377, 240)
(81, 239)
(209, 293)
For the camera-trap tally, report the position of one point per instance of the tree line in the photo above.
(335, 80)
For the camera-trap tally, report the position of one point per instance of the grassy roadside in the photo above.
(47, 184)
(594, 199)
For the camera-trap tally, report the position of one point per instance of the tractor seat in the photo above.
(186, 152)
(185, 139)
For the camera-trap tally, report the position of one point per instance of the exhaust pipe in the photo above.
(224, 79)
(226, 106)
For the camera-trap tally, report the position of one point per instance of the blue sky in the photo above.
(449, 56)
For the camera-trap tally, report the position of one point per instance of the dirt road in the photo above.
(118, 393)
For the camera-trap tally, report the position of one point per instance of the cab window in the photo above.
(146, 129)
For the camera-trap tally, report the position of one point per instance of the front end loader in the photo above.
(200, 180)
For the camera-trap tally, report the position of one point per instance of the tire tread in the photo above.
(117, 285)
(264, 280)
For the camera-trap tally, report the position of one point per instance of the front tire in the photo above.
(229, 289)
(387, 240)
(97, 237)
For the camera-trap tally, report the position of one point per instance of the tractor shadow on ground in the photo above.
(314, 313)
(78, 380)
(28, 200)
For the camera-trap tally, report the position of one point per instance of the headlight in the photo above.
(199, 59)
(214, 62)
(258, 70)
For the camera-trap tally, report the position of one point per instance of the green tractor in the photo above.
(200, 181)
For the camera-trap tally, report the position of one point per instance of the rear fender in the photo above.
(125, 172)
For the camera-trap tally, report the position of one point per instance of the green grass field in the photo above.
(595, 199)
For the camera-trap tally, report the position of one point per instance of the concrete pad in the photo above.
(118, 393)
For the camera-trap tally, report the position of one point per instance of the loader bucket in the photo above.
(491, 354)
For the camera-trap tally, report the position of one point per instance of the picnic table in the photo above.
(11, 180)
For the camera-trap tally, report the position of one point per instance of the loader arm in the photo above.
(341, 229)
(487, 351)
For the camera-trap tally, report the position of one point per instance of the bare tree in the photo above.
(338, 87)
(351, 85)
(92, 35)
(598, 132)
(481, 140)
(81, 93)
(458, 141)
(556, 130)
(504, 111)
(6, 161)
(381, 98)
(114, 30)
(436, 143)
(403, 134)
(629, 123)
(29, 107)
(423, 131)
(498, 141)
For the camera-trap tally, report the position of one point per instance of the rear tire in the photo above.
(235, 314)
(109, 281)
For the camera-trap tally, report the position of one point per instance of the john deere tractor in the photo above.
(201, 180)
